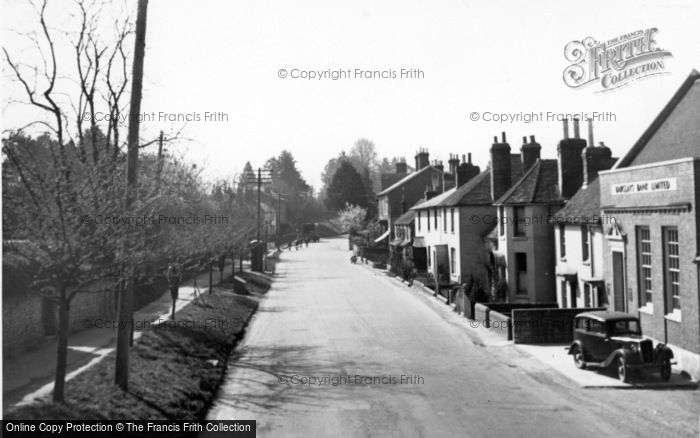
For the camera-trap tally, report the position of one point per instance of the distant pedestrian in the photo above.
(306, 241)
(174, 276)
(290, 245)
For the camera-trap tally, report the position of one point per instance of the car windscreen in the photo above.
(624, 327)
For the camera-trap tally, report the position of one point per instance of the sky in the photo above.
(483, 57)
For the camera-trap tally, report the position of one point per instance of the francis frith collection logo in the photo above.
(614, 63)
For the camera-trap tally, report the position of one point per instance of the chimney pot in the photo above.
(577, 133)
(529, 152)
(500, 168)
(591, 143)
(566, 129)
(503, 136)
(495, 139)
(469, 155)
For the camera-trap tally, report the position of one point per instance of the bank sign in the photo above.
(650, 186)
(614, 63)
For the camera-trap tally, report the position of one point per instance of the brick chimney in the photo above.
(422, 159)
(529, 152)
(595, 158)
(466, 171)
(438, 165)
(401, 165)
(500, 167)
(570, 164)
(430, 192)
(453, 162)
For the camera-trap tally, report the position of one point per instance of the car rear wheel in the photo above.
(623, 371)
(579, 361)
(666, 370)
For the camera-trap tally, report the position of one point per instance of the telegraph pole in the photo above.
(126, 316)
(259, 184)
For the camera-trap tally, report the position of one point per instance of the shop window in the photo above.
(644, 265)
(672, 268)
(585, 243)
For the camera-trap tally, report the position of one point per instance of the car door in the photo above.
(598, 340)
(581, 334)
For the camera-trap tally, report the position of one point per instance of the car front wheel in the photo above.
(666, 370)
(578, 358)
(623, 371)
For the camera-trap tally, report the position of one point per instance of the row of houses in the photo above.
(584, 229)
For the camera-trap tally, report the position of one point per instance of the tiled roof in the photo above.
(539, 185)
(674, 133)
(477, 191)
(434, 201)
(583, 208)
(406, 179)
(389, 179)
(406, 218)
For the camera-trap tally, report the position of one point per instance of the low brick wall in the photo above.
(500, 324)
(481, 314)
(28, 320)
(22, 326)
(507, 308)
(545, 325)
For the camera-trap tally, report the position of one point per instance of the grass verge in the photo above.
(175, 368)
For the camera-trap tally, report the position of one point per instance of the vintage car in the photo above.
(614, 339)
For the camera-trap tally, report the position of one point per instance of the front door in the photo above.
(442, 263)
(573, 290)
(618, 269)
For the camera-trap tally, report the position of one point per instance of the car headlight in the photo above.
(634, 348)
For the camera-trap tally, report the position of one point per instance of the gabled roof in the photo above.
(539, 185)
(406, 218)
(389, 179)
(674, 133)
(476, 191)
(406, 179)
(583, 208)
(434, 201)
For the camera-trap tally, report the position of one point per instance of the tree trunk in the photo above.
(62, 349)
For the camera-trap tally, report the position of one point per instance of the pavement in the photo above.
(342, 350)
(30, 377)
(557, 357)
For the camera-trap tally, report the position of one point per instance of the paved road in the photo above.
(326, 318)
